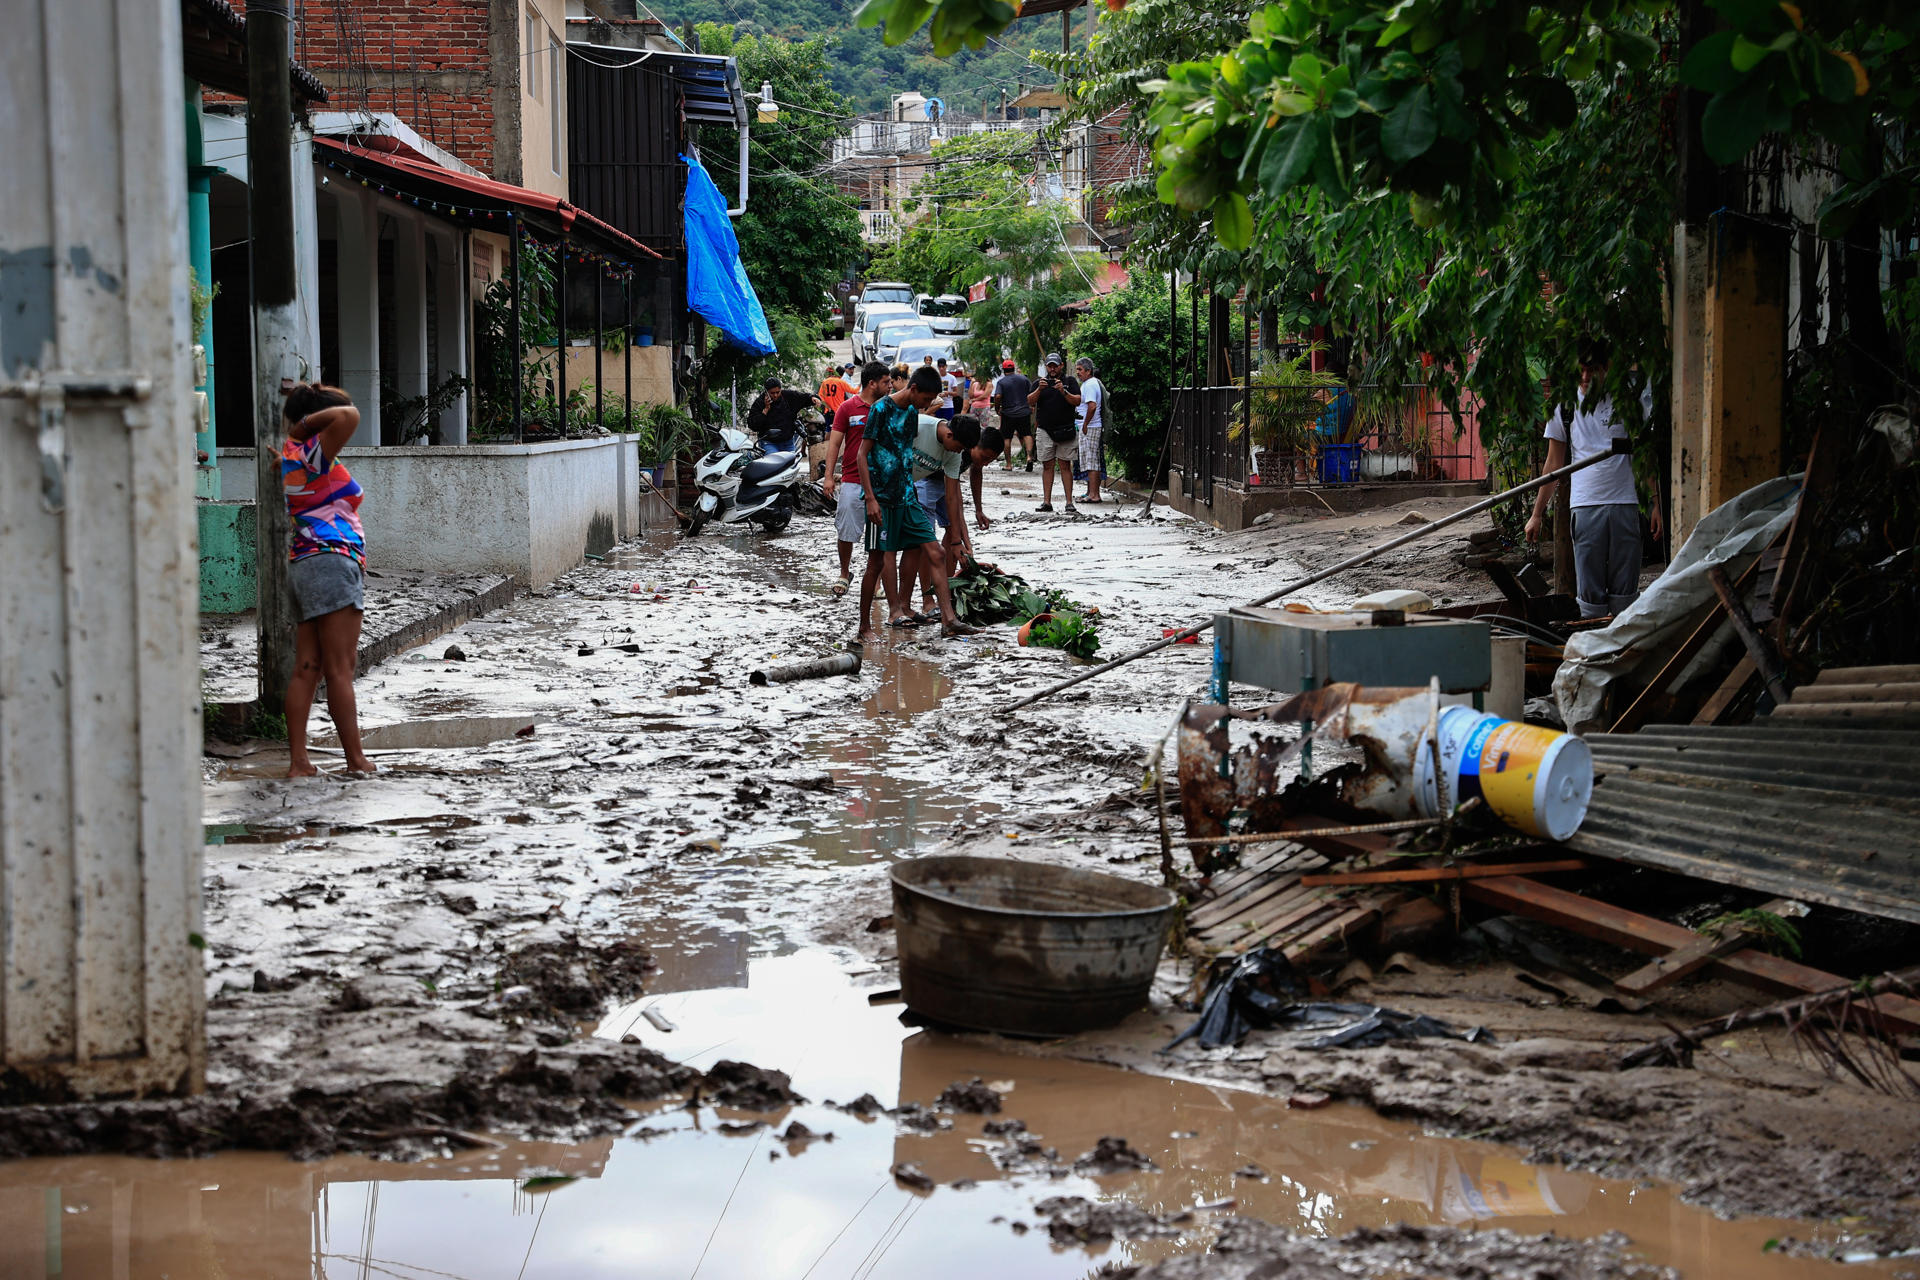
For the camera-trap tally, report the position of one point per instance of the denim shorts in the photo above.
(325, 583)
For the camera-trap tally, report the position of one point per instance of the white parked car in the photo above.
(871, 316)
(891, 335)
(915, 352)
(946, 313)
(881, 293)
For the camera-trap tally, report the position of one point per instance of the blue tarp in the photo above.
(717, 284)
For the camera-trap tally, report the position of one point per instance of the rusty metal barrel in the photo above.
(997, 944)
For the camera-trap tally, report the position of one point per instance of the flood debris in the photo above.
(1259, 991)
(1839, 1026)
(838, 664)
(866, 1107)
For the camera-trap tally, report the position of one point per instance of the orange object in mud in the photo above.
(1026, 632)
(1174, 631)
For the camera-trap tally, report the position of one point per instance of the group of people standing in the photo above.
(1059, 420)
(893, 473)
(900, 443)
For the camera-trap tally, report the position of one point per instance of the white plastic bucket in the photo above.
(1537, 780)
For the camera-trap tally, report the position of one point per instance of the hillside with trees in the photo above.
(864, 69)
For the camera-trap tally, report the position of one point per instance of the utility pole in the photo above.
(276, 323)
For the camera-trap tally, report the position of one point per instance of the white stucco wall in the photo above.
(531, 511)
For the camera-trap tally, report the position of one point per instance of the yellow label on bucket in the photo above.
(1509, 763)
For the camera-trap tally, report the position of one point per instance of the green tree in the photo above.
(799, 234)
(1126, 334)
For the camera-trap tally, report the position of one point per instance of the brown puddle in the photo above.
(679, 1197)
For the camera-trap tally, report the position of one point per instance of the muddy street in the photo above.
(495, 999)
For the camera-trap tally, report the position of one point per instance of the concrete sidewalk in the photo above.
(404, 609)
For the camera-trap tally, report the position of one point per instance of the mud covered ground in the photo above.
(582, 797)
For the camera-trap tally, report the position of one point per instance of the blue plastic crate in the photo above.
(1339, 463)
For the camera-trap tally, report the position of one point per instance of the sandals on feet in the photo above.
(907, 623)
(1045, 506)
(840, 587)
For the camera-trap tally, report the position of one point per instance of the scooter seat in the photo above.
(768, 467)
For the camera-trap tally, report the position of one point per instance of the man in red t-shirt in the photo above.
(843, 467)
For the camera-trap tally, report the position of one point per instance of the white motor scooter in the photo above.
(739, 483)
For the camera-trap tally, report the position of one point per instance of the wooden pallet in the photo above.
(1262, 903)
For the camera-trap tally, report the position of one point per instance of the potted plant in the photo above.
(1284, 413)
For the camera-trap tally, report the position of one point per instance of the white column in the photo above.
(359, 293)
(306, 235)
(409, 306)
(450, 279)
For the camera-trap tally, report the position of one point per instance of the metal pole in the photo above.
(599, 345)
(276, 326)
(517, 356)
(1620, 446)
(560, 333)
(626, 346)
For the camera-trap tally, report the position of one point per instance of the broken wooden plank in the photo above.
(1757, 647)
(1657, 700)
(1635, 932)
(1467, 871)
(1701, 952)
(1730, 688)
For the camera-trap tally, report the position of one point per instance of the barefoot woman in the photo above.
(329, 554)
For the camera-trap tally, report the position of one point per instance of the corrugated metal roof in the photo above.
(1822, 810)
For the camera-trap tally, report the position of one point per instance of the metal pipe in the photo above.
(517, 356)
(599, 345)
(1620, 447)
(741, 208)
(838, 664)
(560, 334)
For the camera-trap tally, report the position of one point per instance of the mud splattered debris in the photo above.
(974, 1097)
(1077, 1220)
(566, 977)
(912, 1177)
(745, 1087)
(1112, 1155)
(1247, 1249)
(866, 1106)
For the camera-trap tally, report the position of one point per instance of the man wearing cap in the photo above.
(774, 413)
(1016, 415)
(1093, 422)
(1054, 402)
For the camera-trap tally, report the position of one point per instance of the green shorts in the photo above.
(902, 527)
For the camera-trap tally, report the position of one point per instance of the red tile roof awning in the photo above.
(471, 199)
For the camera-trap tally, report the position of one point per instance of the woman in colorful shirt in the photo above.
(329, 554)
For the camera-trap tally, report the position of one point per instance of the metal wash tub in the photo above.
(1002, 945)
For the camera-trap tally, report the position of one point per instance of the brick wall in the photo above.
(1115, 159)
(426, 61)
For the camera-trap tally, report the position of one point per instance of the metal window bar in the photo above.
(1291, 438)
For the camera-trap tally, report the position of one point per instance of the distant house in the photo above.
(420, 166)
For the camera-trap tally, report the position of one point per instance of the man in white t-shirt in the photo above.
(1605, 506)
(1093, 422)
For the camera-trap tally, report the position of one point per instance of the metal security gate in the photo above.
(100, 978)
